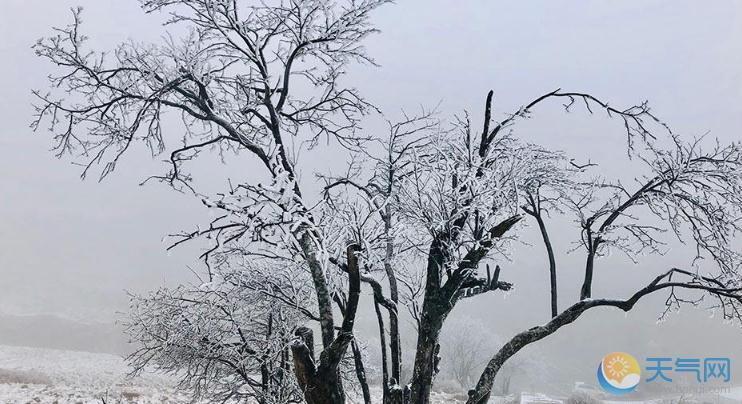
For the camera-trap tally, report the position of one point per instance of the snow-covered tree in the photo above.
(440, 197)
(262, 80)
(419, 217)
(444, 196)
(690, 190)
(227, 339)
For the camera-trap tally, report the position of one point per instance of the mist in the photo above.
(71, 250)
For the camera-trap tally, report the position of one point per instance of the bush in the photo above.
(12, 376)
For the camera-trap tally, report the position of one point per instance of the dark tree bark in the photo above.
(265, 371)
(388, 382)
(360, 369)
(552, 266)
(426, 360)
(394, 336)
(594, 241)
(461, 281)
(536, 212)
(384, 359)
(587, 284)
(361, 372)
(430, 324)
(481, 393)
(391, 354)
(320, 380)
(439, 300)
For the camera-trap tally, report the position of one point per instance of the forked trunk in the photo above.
(319, 376)
(326, 389)
(321, 384)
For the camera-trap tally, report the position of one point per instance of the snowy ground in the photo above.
(34, 375)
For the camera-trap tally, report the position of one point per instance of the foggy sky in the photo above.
(70, 247)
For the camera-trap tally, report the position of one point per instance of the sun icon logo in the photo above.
(619, 373)
(618, 367)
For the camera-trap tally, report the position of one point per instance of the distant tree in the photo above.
(508, 372)
(462, 344)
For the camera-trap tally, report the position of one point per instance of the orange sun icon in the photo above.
(618, 367)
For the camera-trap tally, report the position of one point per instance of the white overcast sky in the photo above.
(69, 247)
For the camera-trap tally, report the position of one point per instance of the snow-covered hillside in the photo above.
(35, 375)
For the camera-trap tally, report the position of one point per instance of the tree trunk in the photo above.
(324, 299)
(361, 372)
(320, 379)
(395, 348)
(586, 290)
(321, 384)
(587, 284)
(426, 356)
(397, 395)
(394, 336)
(325, 390)
(382, 343)
(552, 263)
